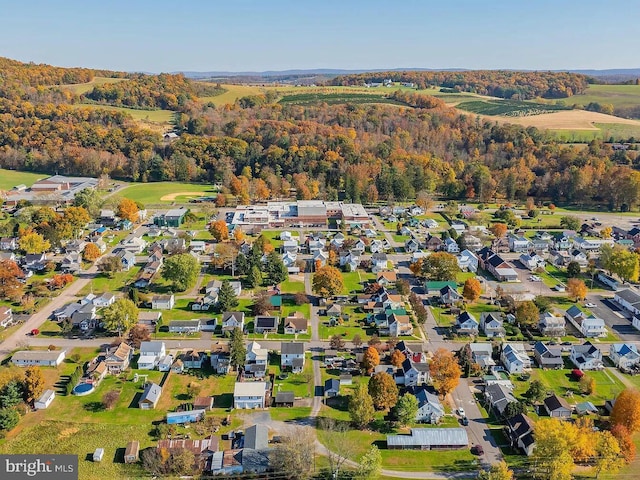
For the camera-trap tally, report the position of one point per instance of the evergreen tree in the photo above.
(237, 350)
(227, 299)
(276, 271)
(254, 278)
(11, 395)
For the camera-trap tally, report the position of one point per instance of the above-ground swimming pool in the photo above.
(83, 389)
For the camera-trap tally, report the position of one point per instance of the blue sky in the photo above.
(241, 35)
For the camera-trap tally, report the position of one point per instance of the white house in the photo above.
(467, 324)
(629, 300)
(45, 400)
(415, 374)
(292, 356)
(42, 358)
(531, 262)
(552, 325)
(249, 394)
(232, 320)
(104, 300)
(467, 260)
(514, 358)
(519, 243)
(150, 355)
(163, 302)
(450, 245)
(256, 354)
(586, 356)
(624, 355)
(593, 327)
(491, 324)
(430, 410)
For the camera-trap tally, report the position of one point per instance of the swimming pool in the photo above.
(83, 389)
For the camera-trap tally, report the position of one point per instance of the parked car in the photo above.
(461, 412)
(465, 421)
(590, 305)
(477, 450)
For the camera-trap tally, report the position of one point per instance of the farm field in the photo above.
(80, 88)
(11, 178)
(166, 192)
(508, 108)
(233, 92)
(337, 98)
(616, 95)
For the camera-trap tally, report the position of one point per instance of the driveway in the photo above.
(614, 317)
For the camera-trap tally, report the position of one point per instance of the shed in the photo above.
(184, 417)
(45, 400)
(203, 403)
(132, 452)
(256, 437)
(98, 454)
(284, 399)
(429, 439)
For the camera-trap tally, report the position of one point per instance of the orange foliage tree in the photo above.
(472, 289)
(397, 357)
(128, 209)
(219, 230)
(499, 229)
(91, 252)
(370, 359)
(576, 289)
(445, 371)
(626, 410)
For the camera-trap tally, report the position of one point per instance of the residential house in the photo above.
(134, 244)
(320, 257)
(449, 295)
(586, 356)
(482, 354)
(629, 300)
(149, 319)
(284, 399)
(249, 395)
(520, 432)
(379, 262)
(399, 325)
(71, 263)
(231, 321)
(580, 257)
(430, 410)
(150, 355)
(467, 324)
(501, 269)
(266, 324)
(468, 261)
(387, 279)
(6, 317)
(414, 351)
(430, 439)
(295, 323)
(256, 437)
(188, 327)
(256, 354)
(514, 357)
(451, 246)
(575, 316)
(187, 416)
(547, 357)
(193, 359)
(104, 300)
(531, 261)
(8, 243)
(430, 223)
(127, 258)
(433, 243)
(332, 387)
(292, 356)
(608, 280)
(377, 246)
(411, 245)
(163, 302)
(498, 397)
(150, 396)
(491, 323)
(415, 374)
(34, 261)
(624, 355)
(552, 325)
(519, 244)
(118, 358)
(41, 358)
(557, 407)
(85, 317)
(164, 365)
(592, 327)
(562, 241)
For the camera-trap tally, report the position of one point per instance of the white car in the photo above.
(590, 305)
(461, 412)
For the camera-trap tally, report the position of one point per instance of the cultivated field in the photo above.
(233, 92)
(337, 98)
(508, 108)
(11, 178)
(166, 192)
(616, 95)
(81, 88)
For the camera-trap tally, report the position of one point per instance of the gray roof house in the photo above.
(556, 406)
(256, 437)
(547, 357)
(498, 397)
(430, 410)
(150, 396)
(430, 439)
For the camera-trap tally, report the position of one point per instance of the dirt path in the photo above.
(172, 196)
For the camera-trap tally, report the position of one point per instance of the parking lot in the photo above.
(614, 316)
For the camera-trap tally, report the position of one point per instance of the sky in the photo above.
(242, 35)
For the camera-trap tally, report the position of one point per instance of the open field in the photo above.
(80, 88)
(508, 108)
(11, 178)
(616, 95)
(233, 92)
(337, 98)
(166, 192)
(569, 120)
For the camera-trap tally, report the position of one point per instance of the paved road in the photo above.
(614, 317)
(318, 394)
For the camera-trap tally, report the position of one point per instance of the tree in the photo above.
(573, 269)
(626, 410)
(576, 289)
(624, 263)
(570, 222)
(138, 334)
(514, 408)
(406, 409)
(238, 236)
(300, 298)
(445, 371)
(403, 287)
(498, 471)
(120, 315)
(361, 408)
(551, 458)
(339, 448)
(357, 340)
(182, 462)
(254, 278)
(370, 464)
(536, 392)
(606, 253)
(11, 394)
(276, 271)
(294, 455)
(9, 418)
(128, 209)
(608, 454)
(33, 383)
(110, 265)
(227, 299)
(261, 303)
(625, 441)
(10, 285)
(237, 350)
(606, 232)
(397, 357)
(472, 289)
(527, 313)
(91, 252)
(219, 230)
(336, 342)
(499, 229)
(34, 243)
(327, 282)
(383, 390)
(182, 270)
(77, 218)
(110, 399)
(90, 199)
(370, 359)
(441, 266)
(193, 389)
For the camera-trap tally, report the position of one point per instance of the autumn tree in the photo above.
(497, 471)
(294, 455)
(397, 357)
(120, 315)
(445, 371)
(606, 232)
(551, 458)
(138, 334)
(261, 303)
(91, 252)
(370, 359)
(34, 243)
(626, 410)
(472, 289)
(336, 342)
(576, 289)
(573, 269)
(10, 285)
(527, 313)
(33, 384)
(441, 266)
(499, 229)
(361, 408)
(219, 230)
(128, 209)
(238, 236)
(624, 263)
(181, 270)
(110, 399)
(424, 200)
(383, 390)
(357, 340)
(110, 265)
(608, 454)
(625, 441)
(327, 282)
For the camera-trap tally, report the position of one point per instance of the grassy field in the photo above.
(11, 178)
(233, 92)
(508, 108)
(80, 88)
(616, 95)
(337, 98)
(153, 193)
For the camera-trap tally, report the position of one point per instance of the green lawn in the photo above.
(292, 286)
(152, 193)
(351, 282)
(12, 178)
(102, 283)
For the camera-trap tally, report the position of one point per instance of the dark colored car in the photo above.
(477, 450)
(465, 421)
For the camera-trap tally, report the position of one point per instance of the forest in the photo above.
(258, 147)
(496, 83)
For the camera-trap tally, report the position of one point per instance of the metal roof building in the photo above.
(429, 439)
